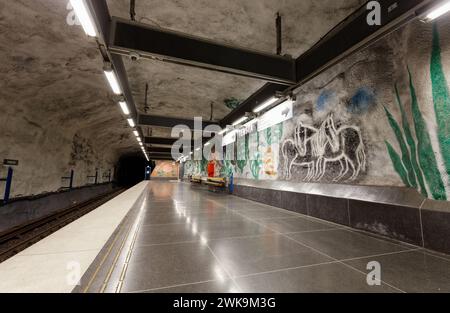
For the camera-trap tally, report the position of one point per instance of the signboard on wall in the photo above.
(248, 128)
(280, 113)
(229, 138)
(9, 162)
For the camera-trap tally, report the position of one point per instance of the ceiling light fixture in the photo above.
(131, 122)
(112, 78)
(437, 11)
(241, 120)
(223, 131)
(84, 16)
(136, 133)
(265, 105)
(124, 107)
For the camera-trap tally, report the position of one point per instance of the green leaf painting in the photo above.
(427, 159)
(411, 144)
(441, 99)
(406, 166)
(411, 177)
(255, 162)
(398, 165)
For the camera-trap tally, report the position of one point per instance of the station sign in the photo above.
(9, 162)
(248, 128)
(229, 138)
(281, 113)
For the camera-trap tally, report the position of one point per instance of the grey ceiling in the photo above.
(51, 71)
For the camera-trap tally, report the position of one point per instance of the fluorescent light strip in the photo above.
(241, 120)
(136, 133)
(223, 131)
(265, 105)
(124, 107)
(439, 11)
(131, 122)
(84, 17)
(113, 82)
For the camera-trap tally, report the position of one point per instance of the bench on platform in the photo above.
(218, 182)
(196, 179)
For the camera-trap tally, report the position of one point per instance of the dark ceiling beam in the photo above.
(355, 34)
(146, 41)
(350, 36)
(163, 141)
(163, 155)
(159, 141)
(159, 150)
(169, 122)
(260, 96)
(167, 141)
(157, 157)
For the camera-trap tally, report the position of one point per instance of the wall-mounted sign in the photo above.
(280, 113)
(248, 128)
(229, 138)
(9, 162)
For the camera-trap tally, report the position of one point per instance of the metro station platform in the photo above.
(164, 236)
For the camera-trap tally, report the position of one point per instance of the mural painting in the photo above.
(417, 163)
(380, 117)
(314, 148)
(165, 169)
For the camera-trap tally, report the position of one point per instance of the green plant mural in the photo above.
(397, 162)
(441, 99)
(278, 132)
(268, 136)
(203, 166)
(256, 162)
(243, 154)
(412, 145)
(227, 169)
(406, 158)
(406, 166)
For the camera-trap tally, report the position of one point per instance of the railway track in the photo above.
(21, 237)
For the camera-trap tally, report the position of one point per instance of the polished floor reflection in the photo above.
(184, 239)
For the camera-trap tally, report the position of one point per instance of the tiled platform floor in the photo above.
(189, 240)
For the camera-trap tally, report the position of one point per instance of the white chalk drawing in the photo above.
(314, 148)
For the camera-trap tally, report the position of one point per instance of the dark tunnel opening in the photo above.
(131, 169)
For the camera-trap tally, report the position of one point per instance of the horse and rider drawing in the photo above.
(315, 148)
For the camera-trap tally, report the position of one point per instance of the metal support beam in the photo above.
(260, 96)
(279, 33)
(169, 122)
(128, 37)
(355, 34)
(160, 157)
(168, 141)
(159, 150)
(159, 141)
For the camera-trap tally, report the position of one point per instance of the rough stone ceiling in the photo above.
(181, 91)
(52, 74)
(52, 77)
